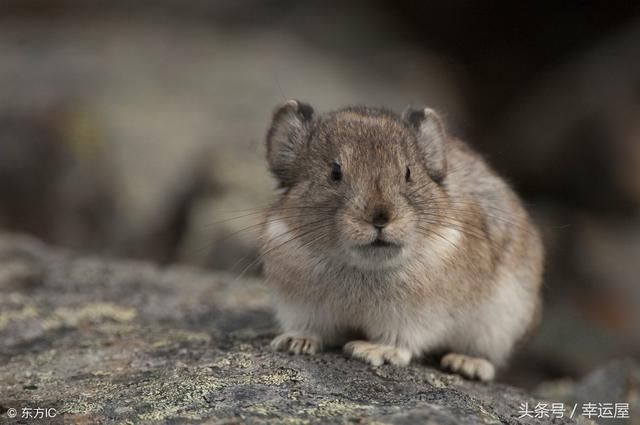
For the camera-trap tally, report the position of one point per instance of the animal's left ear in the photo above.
(432, 137)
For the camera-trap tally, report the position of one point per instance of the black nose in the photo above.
(380, 218)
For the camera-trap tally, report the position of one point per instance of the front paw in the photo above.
(376, 354)
(469, 367)
(296, 343)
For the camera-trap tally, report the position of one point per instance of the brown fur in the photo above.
(464, 265)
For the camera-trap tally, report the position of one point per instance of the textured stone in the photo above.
(117, 342)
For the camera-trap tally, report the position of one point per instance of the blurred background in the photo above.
(136, 129)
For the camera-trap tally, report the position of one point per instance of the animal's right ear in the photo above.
(287, 135)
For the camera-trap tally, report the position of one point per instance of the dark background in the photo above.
(137, 131)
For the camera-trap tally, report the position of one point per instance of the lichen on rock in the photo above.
(127, 342)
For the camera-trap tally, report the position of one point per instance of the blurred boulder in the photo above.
(614, 383)
(181, 111)
(53, 179)
(573, 134)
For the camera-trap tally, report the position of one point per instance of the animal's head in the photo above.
(359, 184)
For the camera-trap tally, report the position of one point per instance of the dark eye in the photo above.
(336, 172)
(407, 175)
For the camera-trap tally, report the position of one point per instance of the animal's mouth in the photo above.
(381, 243)
(377, 254)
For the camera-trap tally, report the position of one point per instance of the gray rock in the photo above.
(615, 383)
(126, 341)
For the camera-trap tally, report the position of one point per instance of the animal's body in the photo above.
(388, 230)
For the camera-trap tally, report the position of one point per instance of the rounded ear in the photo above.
(287, 135)
(431, 137)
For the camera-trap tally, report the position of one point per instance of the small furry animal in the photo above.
(393, 239)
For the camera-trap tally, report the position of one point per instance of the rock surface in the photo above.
(118, 342)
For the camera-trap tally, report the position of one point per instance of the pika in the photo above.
(393, 239)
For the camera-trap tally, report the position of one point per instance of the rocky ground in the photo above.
(118, 342)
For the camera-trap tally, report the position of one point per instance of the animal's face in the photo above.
(355, 187)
